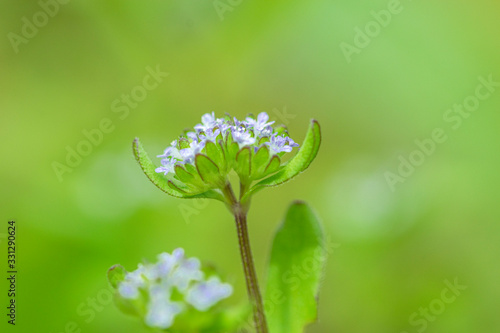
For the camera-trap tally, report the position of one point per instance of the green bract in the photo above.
(197, 164)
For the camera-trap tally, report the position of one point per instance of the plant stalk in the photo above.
(240, 216)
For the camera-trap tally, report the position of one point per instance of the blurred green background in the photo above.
(394, 249)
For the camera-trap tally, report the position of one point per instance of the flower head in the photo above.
(171, 274)
(220, 140)
(197, 164)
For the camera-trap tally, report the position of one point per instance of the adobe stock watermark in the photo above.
(192, 207)
(454, 116)
(121, 106)
(88, 310)
(282, 116)
(295, 277)
(224, 6)
(371, 30)
(31, 26)
(419, 320)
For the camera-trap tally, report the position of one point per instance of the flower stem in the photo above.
(240, 215)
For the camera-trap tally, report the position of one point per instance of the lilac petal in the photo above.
(192, 135)
(178, 254)
(128, 290)
(206, 294)
(242, 137)
(162, 312)
(208, 118)
(262, 118)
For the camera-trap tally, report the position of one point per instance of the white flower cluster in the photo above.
(248, 132)
(159, 280)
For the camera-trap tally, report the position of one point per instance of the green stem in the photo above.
(240, 215)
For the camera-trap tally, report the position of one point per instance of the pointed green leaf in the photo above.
(190, 178)
(197, 178)
(149, 169)
(208, 170)
(296, 266)
(229, 138)
(259, 162)
(298, 163)
(232, 149)
(244, 162)
(223, 151)
(191, 169)
(261, 157)
(214, 153)
(183, 175)
(273, 166)
(116, 274)
(263, 140)
(161, 181)
(176, 186)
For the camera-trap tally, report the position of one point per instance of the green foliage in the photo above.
(215, 153)
(227, 319)
(209, 171)
(244, 164)
(295, 271)
(171, 186)
(297, 165)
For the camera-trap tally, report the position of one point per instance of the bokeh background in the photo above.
(393, 249)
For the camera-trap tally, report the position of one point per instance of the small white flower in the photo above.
(261, 122)
(210, 134)
(223, 126)
(186, 272)
(171, 151)
(292, 143)
(161, 311)
(206, 294)
(263, 132)
(242, 137)
(129, 288)
(167, 165)
(188, 154)
(172, 271)
(208, 121)
(166, 263)
(192, 135)
(280, 143)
